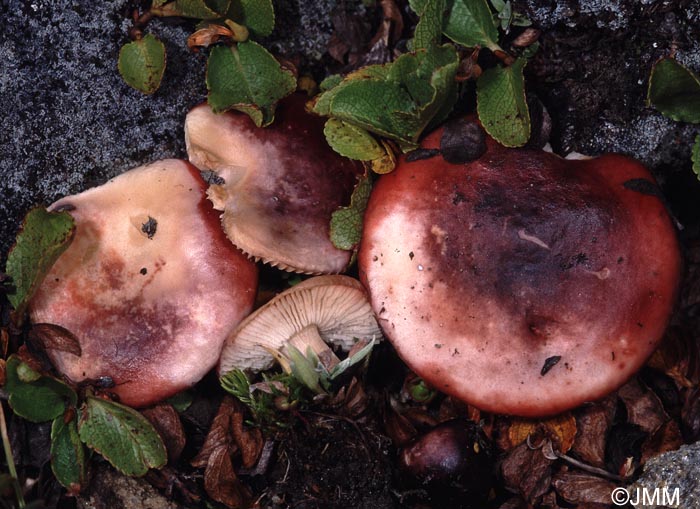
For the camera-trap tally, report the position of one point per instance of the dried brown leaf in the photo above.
(679, 357)
(3, 372)
(249, 440)
(397, 427)
(49, 336)
(221, 482)
(4, 342)
(561, 430)
(690, 415)
(219, 436)
(166, 421)
(527, 472)
(207, 36)
(452, 408)
(579, 487)
(667, 438)
(393, 19)
(644, 408)
(514, 503)
(593, 423)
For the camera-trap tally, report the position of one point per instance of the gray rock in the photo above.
(664, 474)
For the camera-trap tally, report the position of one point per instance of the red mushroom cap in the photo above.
(522, 283)
(150, 285)
(282, 183)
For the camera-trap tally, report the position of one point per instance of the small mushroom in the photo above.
(320, 310)
(150, 285)
(282, 184)
(521, 282)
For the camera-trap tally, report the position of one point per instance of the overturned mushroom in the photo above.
(150, 286)
(282, 184)
(521, 282)
(320, 310)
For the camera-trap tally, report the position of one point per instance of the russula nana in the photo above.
(150, 285)
(282, 183)
(521, 282)
(324, 309)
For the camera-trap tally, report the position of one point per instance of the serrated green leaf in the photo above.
(429, 28)
(467, 22)
(197, 9)
(696, 156)
(43, 237)
(346, 222)
(142, 63)
(351, 141)
(675, 91)
(247, 77)
(41, 400)
(501, 104)
(122, 435)
(257, 15)
(68, 454)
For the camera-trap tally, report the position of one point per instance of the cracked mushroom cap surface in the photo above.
(521, 282)
(150, 285)
(282, 183)
(333, 307)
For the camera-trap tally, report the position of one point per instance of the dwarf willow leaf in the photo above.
(257, 15)
(501, 104)
(696, 156)
(197, 9)
(68, 454)
(142, 63)
(675, 91)
(247, 77)
(40, 400)
(43, 237)
(221, 7)
(346, 222)
(467, 22)
(351, 141)
(122, 435)
(429, 28)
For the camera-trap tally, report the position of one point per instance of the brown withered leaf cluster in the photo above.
(229, 440)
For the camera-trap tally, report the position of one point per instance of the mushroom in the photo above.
(322, 309)
(520, 282)
(150, 285)
(282, 184)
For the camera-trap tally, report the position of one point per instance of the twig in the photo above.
(9, 458)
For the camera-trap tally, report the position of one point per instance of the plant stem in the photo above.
(10, 459)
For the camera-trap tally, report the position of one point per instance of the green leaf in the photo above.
(257, 15)
(40, 400)
(346, 364)
(346, 222)
(44, 236)
(429, 28)
(122, 435)
(304, 370)
(351, 141)
(330, 82)
(501, 104)
(142, 63)
(696, 156)
(675, 91)
(221, 7)
(468, 22)
(247, 77)
(68, 455)
(197, 9)
(181, 401)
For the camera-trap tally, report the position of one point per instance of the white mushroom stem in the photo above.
(310, 337)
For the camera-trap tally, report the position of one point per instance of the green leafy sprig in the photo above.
(241, 74)
(674, 90)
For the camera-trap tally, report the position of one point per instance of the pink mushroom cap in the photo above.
(521, 282)
(150, 285)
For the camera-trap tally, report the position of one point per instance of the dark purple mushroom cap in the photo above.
(282, 183)
(522, 283)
